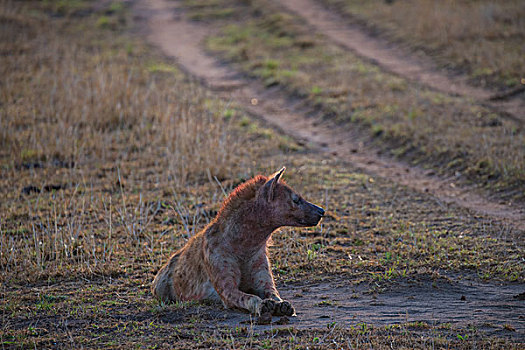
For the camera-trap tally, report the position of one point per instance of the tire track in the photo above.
(398, 61)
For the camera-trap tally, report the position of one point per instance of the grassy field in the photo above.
(111, 157)
(481, 38)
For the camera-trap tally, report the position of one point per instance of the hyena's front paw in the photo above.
(268, 307)
(283, 308)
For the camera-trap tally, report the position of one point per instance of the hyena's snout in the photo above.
(313, 214)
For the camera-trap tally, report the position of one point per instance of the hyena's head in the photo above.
(285, 207)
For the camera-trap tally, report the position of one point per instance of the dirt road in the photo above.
(167, 28)
(395, 59)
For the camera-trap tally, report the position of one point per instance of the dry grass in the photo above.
(483, 37)
(108, 158)
(79, 100)
(78, 118)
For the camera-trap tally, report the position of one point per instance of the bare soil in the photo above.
(459, 301)
(492, 307)
(428, 300)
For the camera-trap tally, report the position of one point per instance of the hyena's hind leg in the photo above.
(264, 286)
(162, 286)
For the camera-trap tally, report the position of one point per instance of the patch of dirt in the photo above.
(491, 308)
(398, 60)
(165, 26)
(461, 302)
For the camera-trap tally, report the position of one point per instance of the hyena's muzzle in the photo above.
(312, 214)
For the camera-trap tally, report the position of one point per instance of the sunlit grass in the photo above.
(482, 38)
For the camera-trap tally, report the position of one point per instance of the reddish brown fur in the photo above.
(241, 193)
(228, 260)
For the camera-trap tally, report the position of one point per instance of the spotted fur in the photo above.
(228, 260)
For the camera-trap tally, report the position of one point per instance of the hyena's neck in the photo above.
(250, 227)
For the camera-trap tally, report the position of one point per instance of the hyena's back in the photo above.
(184, 276)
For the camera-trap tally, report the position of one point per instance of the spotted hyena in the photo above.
(228, 260)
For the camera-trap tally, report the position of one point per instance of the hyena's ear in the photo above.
(269, 187)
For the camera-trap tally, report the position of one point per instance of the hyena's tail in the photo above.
(162, 286)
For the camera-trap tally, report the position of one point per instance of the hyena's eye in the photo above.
(295, 198)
